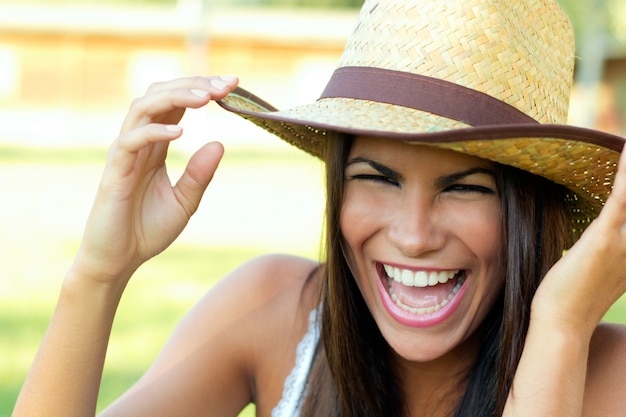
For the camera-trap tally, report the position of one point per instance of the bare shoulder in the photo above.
(274, 274)
(264, 285)
(275, 283)
(605, 393)
(268, 297)
(284, 292)
(236, 345)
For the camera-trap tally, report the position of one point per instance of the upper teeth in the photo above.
(419, 278)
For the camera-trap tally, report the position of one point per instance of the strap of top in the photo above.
(295, 384)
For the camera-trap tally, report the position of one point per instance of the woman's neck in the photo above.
(435, 388)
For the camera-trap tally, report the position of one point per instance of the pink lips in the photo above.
(407, 318)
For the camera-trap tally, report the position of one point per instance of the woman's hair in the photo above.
(353, 373)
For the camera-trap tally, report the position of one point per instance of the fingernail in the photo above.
(173, 128)
(229, 78)
(219, 84)
(199, 93)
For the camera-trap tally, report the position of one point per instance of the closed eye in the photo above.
(375, 178)
(474, 180)
(368, 170)
(470, 188)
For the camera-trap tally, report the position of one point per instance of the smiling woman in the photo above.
(425, 215)
(453, 191)
(418, 216)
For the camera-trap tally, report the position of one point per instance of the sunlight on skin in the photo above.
(37, 247)
(50, 197)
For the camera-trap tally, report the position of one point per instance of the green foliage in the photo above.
(159, 295)
(161, 291)
(596, 17)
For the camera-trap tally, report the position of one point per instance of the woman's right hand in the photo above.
(137, 211)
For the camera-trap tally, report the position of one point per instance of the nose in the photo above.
(416, 227)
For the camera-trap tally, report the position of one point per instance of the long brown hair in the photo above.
(353, 374)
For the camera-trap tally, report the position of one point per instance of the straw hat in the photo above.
(489, 78)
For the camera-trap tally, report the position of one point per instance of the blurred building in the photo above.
(612, 105)
(74, 66)
(64, 69)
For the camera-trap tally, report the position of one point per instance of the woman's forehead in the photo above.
(396, 150)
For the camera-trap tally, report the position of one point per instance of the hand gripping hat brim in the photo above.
(488, 78)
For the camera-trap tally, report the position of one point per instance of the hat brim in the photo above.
(583, 160)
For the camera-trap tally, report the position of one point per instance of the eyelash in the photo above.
(462, 188)
(375, 178)
(470, 188)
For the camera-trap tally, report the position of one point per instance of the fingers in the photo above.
(594, 265)
(133, 146)
(615, 208)
(153, 118)
(217, 82)
(197, 176)
(166, 102)
(137, 213)
(136, 139)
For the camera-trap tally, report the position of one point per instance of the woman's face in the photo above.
(421, 234)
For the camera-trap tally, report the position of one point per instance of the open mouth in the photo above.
(421, 292)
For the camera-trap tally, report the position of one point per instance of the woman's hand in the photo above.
(137, 212)
(582, 286)
(558, 373)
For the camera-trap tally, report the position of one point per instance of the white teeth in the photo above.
(408, 278)
(419, 278)
(427, 310)
(433, 279)
(388, 270)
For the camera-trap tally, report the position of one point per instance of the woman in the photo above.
(453, 189)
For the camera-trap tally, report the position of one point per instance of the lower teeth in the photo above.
(426, 310)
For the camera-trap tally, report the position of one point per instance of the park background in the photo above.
(68, 71)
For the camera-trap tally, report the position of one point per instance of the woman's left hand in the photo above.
(567, 368)
(580, 288)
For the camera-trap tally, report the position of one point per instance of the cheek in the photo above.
(480, 228)
(357, 220)
(484, 237)
(487, 244)
(491, 243)
(480, 231)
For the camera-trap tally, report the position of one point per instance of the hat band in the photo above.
(424, 93)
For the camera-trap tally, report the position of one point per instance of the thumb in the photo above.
(197, 176)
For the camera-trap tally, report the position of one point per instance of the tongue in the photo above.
(418, 297)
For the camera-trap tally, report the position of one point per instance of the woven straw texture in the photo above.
(520, 52)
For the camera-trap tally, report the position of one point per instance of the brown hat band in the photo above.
(424, 93)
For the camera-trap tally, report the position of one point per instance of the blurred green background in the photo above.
(34, 253)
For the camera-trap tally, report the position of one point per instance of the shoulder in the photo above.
(273, 280)
(281, 291)
(269, 297)
(605, 393)
(274, 290)
(280, 270)
(236, 345)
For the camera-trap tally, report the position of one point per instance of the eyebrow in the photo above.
(447, 180)
(441, 182)
(384, 170)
